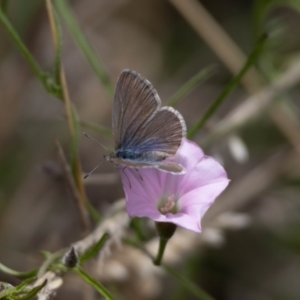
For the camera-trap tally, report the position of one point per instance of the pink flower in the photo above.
(179, 199)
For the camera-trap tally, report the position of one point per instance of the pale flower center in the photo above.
(167, 204)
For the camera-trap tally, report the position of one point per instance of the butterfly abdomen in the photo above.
(144, 156)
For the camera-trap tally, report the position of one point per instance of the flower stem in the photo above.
(165, 231)
(162, 246)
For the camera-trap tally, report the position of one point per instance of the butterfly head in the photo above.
(110, 157)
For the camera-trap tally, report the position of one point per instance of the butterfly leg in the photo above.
(123, 170)
(139, 174)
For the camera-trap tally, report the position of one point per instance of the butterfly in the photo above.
(145, 134)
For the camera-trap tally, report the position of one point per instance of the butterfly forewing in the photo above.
(135, 101)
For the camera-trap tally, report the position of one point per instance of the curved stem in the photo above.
(229, 88)
(162, 246)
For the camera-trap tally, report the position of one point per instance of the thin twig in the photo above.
(115, 225)
(191, 84)
(82, 212)
(256, 104)
(229, 88)
(68, 105)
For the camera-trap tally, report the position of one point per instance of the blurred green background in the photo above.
(250, 246)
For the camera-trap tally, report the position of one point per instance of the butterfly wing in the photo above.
(171, 167)
(162, 133)
(149, 132)
(135, 101)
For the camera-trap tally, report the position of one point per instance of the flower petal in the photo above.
(195, 190)
(188, 154)
(182, 220)
(207, 171)
(197, 201)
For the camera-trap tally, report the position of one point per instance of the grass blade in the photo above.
(94, 283)
(101, 130)
(21, 275)
(190, 286)
(33, 292)
(190, 85)
(45, 78)
(229, 88)
(84, 45)
(95, 249)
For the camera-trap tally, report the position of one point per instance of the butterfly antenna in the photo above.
(88, 136)
(87, 175)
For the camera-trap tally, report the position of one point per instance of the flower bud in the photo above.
(70, 259)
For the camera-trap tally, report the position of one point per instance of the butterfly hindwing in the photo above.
(162, 133)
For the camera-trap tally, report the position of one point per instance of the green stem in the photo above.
(139, 246)
(58, 50)
(99, 129)
(93, 212)
(95, 249)
(136, 225)
(75, 140)
(190, 286)
(97, 285)
(162, 246)
(165, 231)
(84, 45)
(14, 35)
(190, 85)
(4, 5)
(33, 292)
(229, 88)
(45, 78)
(21, 275)
(50, 260)
(6, 290)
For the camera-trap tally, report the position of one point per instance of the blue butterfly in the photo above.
(145, 133)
